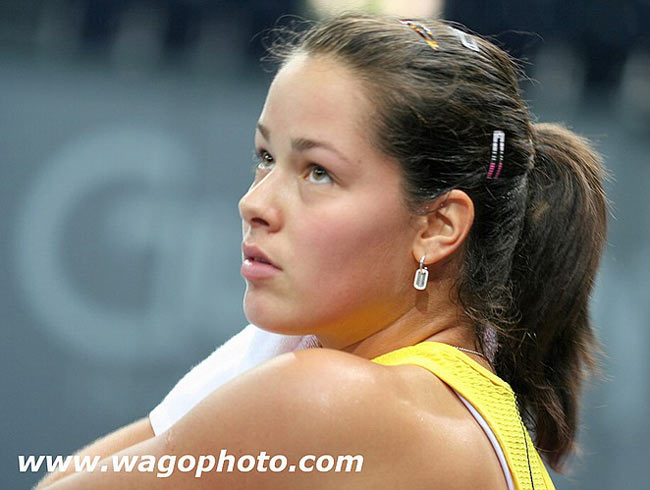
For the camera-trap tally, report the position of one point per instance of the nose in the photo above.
(259, 206)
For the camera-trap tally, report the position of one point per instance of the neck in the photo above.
(432, 316)
(413, 327)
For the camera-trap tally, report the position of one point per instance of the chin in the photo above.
(273, 322)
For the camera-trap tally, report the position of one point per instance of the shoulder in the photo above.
(323, 389)
(344, 388)
(415, 423)
(323, 402)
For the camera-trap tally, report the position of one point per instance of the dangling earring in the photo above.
(421, 276)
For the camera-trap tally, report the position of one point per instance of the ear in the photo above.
(444, 229)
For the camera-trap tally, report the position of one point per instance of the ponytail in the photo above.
(555, 262)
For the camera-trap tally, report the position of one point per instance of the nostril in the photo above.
(259, 221)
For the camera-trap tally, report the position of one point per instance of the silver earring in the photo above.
(421, 276)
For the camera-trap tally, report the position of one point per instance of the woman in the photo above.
(440, 246)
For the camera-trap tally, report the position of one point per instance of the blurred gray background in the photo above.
(126, 138)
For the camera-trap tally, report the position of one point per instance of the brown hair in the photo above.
(533, 250)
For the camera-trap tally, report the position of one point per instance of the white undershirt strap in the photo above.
(493, 440)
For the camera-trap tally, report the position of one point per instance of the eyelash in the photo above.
(258, 159)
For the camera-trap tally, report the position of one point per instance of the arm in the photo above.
(122, 438)
(317, 402)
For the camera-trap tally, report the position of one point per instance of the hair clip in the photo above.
(422, 31)
(498, 147)
(466, 40)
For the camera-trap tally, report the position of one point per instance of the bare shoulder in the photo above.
(415, 421)
(402, 422)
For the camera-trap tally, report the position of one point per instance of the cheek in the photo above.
(347, 253)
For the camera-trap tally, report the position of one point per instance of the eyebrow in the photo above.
(303, 144)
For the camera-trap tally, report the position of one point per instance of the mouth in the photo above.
(254, 255)
(258, 259)
(254, 269)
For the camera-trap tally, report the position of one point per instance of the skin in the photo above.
(347, 249)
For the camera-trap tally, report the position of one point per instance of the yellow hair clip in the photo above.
(422, 31)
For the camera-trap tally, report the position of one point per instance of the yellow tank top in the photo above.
(490, 396)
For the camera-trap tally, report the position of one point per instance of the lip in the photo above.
(252, 269)
(252, 251)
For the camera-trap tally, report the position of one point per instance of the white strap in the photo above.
(493, 440)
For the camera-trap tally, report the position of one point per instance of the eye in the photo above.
(319, 172)
(260, 160)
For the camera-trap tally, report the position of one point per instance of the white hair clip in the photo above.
(467, 41)
(498, 148)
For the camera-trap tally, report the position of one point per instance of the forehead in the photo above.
(321, 97)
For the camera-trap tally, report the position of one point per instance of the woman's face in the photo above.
(325, 208)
